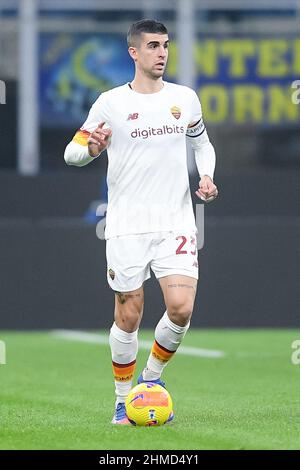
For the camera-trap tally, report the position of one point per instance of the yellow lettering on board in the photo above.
(248, 103)
(215, 102)
(206, 58)
(238, 50)
(172, 60)
(296, 57)
(272, 61)
(281, 107)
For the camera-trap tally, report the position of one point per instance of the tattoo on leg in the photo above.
(182, 285)
(122, 298)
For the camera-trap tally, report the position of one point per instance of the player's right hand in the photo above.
(98, 140)
(207, 190)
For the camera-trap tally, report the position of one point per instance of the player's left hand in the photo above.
(207, 190)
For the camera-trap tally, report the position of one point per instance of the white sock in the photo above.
(124, 347)
(168, 337)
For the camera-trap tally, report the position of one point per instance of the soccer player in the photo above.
(150, 221)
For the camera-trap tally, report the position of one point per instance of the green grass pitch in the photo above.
(58, 394)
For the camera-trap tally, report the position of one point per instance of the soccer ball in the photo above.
(148, 404)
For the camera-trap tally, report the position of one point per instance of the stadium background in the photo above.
(242, 58)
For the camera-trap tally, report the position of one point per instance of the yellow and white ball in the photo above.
(148, 404)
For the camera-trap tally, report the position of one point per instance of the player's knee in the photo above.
(129, 319)
(180, 314)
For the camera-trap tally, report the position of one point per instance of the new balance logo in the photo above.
(132, 117)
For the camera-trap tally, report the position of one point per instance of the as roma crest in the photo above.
(111, 273)
(176, 112)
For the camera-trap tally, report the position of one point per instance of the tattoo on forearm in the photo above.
(122, 298)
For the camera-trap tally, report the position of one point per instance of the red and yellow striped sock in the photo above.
(168, 337)
(161, 353)
(123, 372)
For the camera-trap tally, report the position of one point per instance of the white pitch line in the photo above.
(101, 339)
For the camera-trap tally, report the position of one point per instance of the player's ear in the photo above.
(132, 52)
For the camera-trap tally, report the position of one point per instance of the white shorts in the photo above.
(130, 257)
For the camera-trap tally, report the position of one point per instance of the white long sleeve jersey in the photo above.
(147, 178)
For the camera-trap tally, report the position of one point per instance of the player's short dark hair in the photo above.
(144, 26)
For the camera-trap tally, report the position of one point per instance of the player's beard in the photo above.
(154, 74)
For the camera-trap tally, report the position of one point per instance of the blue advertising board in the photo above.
(240, 80)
